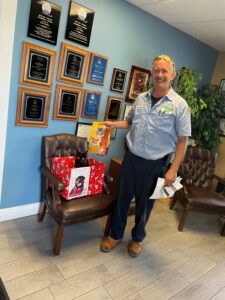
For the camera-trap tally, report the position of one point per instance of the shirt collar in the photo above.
(169, 96)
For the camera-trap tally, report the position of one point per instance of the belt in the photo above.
(165, 157)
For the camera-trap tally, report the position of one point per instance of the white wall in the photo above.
(7, 25)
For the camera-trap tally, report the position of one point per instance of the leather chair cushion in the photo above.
(78, 209)
(198, 167)
(204, 198)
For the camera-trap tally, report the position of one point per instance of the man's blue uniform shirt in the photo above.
(154, 130)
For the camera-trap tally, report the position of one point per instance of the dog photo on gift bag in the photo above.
(79, 181)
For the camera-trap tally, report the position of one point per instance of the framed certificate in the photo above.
(44, 21)
(72, 64)
(138, 82)
(32, 108)
(79, 24)
(118, 80)
(97, 68)
(83, 130)
(113, 108)
(37, 66)
(91, 103)
(67, 103)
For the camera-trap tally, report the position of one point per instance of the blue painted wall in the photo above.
(127, 35)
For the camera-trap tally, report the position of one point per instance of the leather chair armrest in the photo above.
(185, 189)
(219, 179)
(58, 185)
(107, 180)
(221, 184)
(56, 199)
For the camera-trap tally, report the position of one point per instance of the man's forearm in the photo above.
(122, 124)
(180, 152)
(117, 124)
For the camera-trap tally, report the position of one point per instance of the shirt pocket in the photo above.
(165, 122)
(140, 114)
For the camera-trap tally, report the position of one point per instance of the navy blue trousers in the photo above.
(138, 179)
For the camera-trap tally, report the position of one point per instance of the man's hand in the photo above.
(171, 174)
(170, 177)
(108, 124)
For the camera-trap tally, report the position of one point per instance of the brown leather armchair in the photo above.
(197, 171)
(76, 210)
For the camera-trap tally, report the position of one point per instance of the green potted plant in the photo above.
(186, 85)
(205, 128)
(207, 106)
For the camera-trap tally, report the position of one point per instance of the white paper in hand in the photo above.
(162, 191)
(159, 186)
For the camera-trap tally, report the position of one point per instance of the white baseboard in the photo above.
(16, 212)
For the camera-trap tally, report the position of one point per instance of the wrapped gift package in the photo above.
(96, 176)
(78, 181)
(60, 167)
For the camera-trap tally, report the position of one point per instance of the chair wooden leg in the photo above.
(41, 214)
(58, 239)
(173, 201)
(183, 219)
(108, 225)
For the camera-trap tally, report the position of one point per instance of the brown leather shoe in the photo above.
(134, 249)
(108, 243)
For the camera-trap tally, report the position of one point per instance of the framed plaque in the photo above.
(118, 80)
(113, 108)
(91, 104)
(37, 66)
(83, 130)
(72, 64)
(126, 111)
(79, 24)
(222, 126)
(67, 103)
(138, 82)
(33, 108)
(97, 68)
(44, 21)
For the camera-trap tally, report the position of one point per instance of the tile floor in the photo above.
(173, 265)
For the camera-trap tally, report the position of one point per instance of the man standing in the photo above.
(160, 124)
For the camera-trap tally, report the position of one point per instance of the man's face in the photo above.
(162, 75)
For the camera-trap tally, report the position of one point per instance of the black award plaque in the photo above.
(118, 83)
(68, 103)
(44, 21)
(38, 67)
(79, 24)
(73, 66)
(118, 80)
(33, 108)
